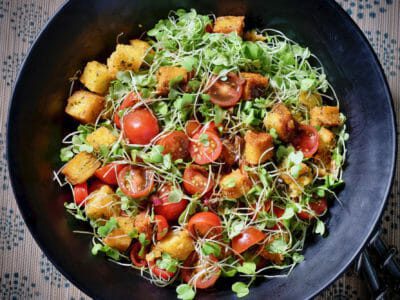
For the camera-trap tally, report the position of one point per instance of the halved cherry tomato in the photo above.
(95, 184)
(80, 193)
(135, 182)
(161, 226)
(211, 126)
(176, 143)
(160, 273)
(306, 140)
(277, 211)
(137, 260)
(191, 266)
(227, 93)
(170, 210)
(247, 238)
(195, 180)
(192, 127)
(140, 126)
(108, 173)
(206, 147)
(318, 207)
(205, 223)
(130, 100)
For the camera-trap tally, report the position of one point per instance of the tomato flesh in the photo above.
(161, 226)
(170, 210)
(195, 180)
(137, 260)
(140, 126)
(135, 182)
(130, 100)
(247, 238)
(306, 140)
(318, 207)
(205, 147)
(175, 143)
(192, 127)
(160, 273)
(191, 267)
(108, 174)
(205, 224)
(80, 193)
(226, 93)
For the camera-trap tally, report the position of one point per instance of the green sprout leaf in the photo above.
(241, 289)
(185, 292)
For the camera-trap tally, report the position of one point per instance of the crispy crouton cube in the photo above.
(80, 168)
(96, 77)
(126, 57)
(228, 24)
(253, 36)
(101, 137)
(85, 106)
(140, 45)
(326, 139)
(259, 147)
(235, 185)
(325, 116)
(296, 185)
(126, 224)
(281, 119)
(168, 73)
(255, 85)
(102, 203)
(178, 244)
(118, 239)
(323, 157)
(310, 100)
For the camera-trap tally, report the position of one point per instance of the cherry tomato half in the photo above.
(192, 127)
(276, 210)
(318, 207)
(247, 238)
(206, 147)
(306, 140)
(95, 184)
(80, 193)
(227, 93)
(160, 273)
(176, 143)
(195, 180)
(135, 182)
(205, 223)
(108, 174)
(191, 266)
(130, 100)
(137, 260)
(170, 210)
(140, 126)
(161, 226)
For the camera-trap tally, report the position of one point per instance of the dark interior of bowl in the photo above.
(87, 30)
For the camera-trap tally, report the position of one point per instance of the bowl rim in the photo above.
(394, 147)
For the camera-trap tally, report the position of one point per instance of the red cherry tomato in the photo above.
(247, 238)
(227, 93)
(192, 127)
(160, 273)
(108, 173)
(205, 223)
(206, 147)
(80, 193)
(140, 126)
(130, 100)
(318, 207)
(137, 260)
(277, 211)
(135, 182)
(211, 126)
(195, 180)
(161, 226)
(95, 184)
(170, 210)
(176, 143)
(191, 267)
(306, 140)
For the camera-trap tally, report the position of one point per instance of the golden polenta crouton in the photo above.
(235, 184)
(323, 157)
(258, 148)
(101, 137)
(102, 203)
(310, 100)
(281, 119)
(96, 77)
(325, 116)
(126, 57)
(228, 24)
(127, 224)
(118, 239)
(178, 244)
(326, 139)
(141, 46)
(168, 73)
(255, 85)
(80, 168)
(85, 106)
(303, 179)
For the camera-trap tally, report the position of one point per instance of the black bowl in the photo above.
(86, 30)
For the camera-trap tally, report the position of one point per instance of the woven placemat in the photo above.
(25, 271)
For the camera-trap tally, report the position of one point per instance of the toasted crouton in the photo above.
(80, 168)
(255, 85)
(85, 106)
(101, 137)
(118, 239)
(96, 77)
(178, 244)
(310, 100)
(281, 119)
(325, 116)
(126, 224)
(326, 139)
(102, 203)
(259, 147)
(228, 24)
(235, 185)
(296, 185)
(323, 157)
(168, 73)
